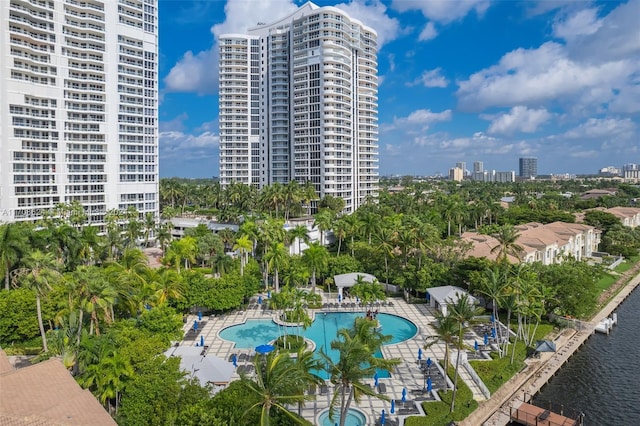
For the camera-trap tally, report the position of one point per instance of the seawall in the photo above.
(524, 385)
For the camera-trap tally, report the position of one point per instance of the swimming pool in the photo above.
(322, 331)
(354, 418)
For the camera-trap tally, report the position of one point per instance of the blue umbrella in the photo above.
(269, 294)
(375, 379)
(195, 325)
(201, 340)
(265, 349)
(475, 345)
(429, 384)
(486, 339)
(493, 333)
(419, 354)
(393, 406)
(492, 318)
(199, 315)
(234, 359)
(259, 300)
(427, 297)
(357, 299)
(339, 298)
(382, 418)
(429, 362)
(404, 394)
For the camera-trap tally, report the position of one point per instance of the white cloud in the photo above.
(603, 128)
(429, 32)
(519, 119)
(194, 73)
(373, 13)
(421, 119)
(443, 11)
(242, 14)
(184, 146)
(539, 76)
(584, 22)
(430, 78)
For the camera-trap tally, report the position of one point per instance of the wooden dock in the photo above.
(531, 415)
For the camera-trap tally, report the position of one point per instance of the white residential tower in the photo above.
(78, 106)
(299, 101)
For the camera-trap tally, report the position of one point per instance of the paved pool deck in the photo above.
(406, 375)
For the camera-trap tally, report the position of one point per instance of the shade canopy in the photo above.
(208, 369)
(545, 346)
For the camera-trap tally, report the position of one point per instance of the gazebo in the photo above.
(440, 297)
(349, 280)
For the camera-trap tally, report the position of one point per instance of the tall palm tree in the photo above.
(163, 235)
(507, 237)
(316, 257)
(446, 332)
(356, 364)
(276, 385)
(182, 251)
(493, 285)
(168, 284)
(463, 312)
(97, 297)
(307, 367)
(301, 233)
(243, 246)
(277, 258)
(13, 245)
(39, 273)
(323, 221)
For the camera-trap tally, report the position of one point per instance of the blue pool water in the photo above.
(322, 331)
(354, 418)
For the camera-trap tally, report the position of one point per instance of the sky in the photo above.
(459, 80)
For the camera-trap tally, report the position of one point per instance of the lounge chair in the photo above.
(390, 303)
(382, 388)
(231, 358)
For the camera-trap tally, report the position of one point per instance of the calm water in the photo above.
(602, 379)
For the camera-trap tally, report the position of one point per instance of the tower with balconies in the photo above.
(78, 106)
(299, 101)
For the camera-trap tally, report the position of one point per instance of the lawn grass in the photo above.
(438, 411)
(605, 281)
(498, 371)
(626, 265)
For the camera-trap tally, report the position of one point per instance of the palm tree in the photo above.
(316, 257)
(357, 363)
(446, 331)
(493, 285)
(149, 227)
(39, 273)
(163, 235)
(13, 245)
(167, 283)
(323, 221)
(276, 258)
(108, 377)
(182, 250)
(507, 237)
(301, 233)
(370, 223)
(307, 364)
(96, 296)
(462, 312)
(385, 242)
(243, 246)
(276, 385)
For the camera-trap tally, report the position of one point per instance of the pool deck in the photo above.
(406, 375)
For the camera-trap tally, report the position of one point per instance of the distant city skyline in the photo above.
(459, 82)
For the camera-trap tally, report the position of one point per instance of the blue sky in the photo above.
(460, 80)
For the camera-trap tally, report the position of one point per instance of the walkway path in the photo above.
(407, 375)
(528, 382)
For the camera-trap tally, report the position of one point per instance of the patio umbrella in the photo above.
(393, 406)
(404, 394)
(475, 345)
(234, 360)
(264, 349)
(339, 298)
(429, 384)
(429, 362)
(375, 379)
(493, 333)
(486, 339)
(419, 354)
(493, 319)
(199, 315)
(201, 340)
(260, 300)
(269, 294)
(195, 325)
(382, 418)
(357, 299)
